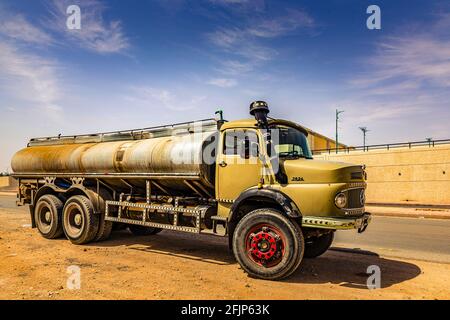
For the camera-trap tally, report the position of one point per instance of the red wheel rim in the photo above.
(265, 245)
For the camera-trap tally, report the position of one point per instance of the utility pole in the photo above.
(364, 131)
(338, 112)
(429, 140)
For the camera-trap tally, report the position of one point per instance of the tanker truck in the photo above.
(253, 180)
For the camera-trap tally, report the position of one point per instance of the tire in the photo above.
(48, 216)
(80, 223)
(104, 229)
(143, 231)
(268, 245)
(316, 246)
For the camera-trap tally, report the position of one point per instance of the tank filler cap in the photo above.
(260, 109)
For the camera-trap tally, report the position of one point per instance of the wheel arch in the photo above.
(44, 190)
(97, 198)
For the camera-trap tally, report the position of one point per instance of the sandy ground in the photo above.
(181, 266)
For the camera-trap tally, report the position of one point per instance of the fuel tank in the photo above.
(163, 153)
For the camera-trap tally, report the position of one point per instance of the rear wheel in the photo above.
(104, 229)
(316, 246)
(48, 216)
(80, 223)
(268, 245)
(143, 231)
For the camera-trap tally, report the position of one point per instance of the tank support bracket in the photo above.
(162, 209)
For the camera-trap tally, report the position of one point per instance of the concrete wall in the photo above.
(4, 181)
(420, 175)
(8, 184)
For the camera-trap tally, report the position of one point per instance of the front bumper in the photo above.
(359, 223)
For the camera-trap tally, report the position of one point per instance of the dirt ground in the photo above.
(181, 266)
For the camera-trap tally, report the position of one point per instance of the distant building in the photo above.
(318, 141)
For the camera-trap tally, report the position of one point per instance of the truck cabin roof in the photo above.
(246, 123)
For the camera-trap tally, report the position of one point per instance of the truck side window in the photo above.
(236, 140)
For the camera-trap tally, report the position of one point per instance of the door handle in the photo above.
(223, 164)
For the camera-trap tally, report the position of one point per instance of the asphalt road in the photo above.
(409, 238)
(420, 239)
(8, 201)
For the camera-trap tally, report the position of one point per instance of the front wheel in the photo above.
(316, 246)
(268, 245)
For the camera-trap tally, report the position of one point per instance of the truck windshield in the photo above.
(290, 143)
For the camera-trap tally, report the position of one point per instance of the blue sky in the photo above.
(142, 63)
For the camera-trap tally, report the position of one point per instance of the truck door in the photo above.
(238, 163)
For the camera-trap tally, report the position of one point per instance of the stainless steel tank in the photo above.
(164, 152)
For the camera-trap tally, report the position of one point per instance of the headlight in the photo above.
(340, 200)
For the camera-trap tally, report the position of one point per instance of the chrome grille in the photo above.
(355, 198)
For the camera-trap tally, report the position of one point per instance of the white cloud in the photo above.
(227, 38)
(166, 98)
(246, 42)
(406, 79)
(96, 34)
(241, 5)
(369, 111)
(421, 57)
(237, 42)
(270, 28)
(234, 67)
(223, 82)
(29, 77)
(263, 28)
(18, 28)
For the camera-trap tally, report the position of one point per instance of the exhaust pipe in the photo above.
(260, 110)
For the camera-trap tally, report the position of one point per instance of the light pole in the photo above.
(338, 112)
(364, 131)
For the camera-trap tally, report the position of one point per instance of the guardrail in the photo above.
(429, 143)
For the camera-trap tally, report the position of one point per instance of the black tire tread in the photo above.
(92, 220)
(298, 245)
(321, 245)
(301, 254)
(104, 229)
(58, 206)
